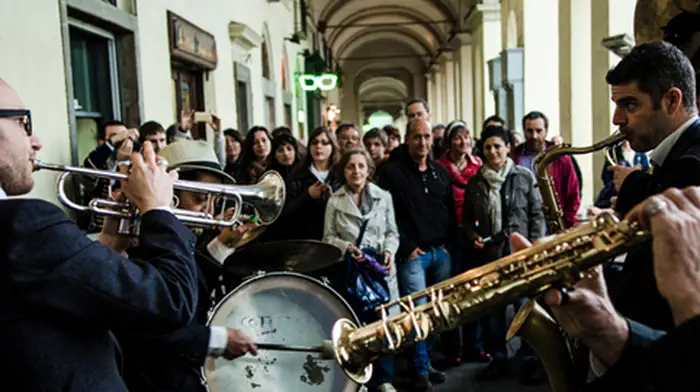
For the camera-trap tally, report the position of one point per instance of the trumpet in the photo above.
(266, 198)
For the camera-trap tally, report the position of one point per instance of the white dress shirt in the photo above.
(664, 148)
(218, 337)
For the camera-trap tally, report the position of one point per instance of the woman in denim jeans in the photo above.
(357, 201)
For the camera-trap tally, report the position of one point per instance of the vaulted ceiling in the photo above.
(375, 42)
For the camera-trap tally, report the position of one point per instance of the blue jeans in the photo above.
(415, 275)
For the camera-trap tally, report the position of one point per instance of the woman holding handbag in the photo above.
(360, 220)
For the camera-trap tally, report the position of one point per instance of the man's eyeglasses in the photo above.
(23, 118)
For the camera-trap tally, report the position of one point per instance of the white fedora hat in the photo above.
(190, 155)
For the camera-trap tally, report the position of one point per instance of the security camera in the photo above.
(620, 44)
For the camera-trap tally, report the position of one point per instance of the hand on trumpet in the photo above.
(109, 236)
(232, 236)
(149, 185)
(620, 173)
(586, 312)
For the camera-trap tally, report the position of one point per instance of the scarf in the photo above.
(495, 180)
(366, 202)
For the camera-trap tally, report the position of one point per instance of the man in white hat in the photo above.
(172, 362)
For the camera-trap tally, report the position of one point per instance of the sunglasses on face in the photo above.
(22, 116)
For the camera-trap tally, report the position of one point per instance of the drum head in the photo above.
(286, 308)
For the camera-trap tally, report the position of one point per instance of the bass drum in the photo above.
(286, 308)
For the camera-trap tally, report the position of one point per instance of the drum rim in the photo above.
(202, 369)
(281, 273)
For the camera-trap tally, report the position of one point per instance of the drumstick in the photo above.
(325, 349)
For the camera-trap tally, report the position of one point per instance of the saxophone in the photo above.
(532, 323)
(562, 261)
(550, 204)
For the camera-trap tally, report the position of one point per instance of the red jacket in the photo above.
(566, 184)
(459, 180)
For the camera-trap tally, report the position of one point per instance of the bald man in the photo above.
(427, 221)
(60, 293)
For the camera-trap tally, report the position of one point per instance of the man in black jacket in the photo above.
(172, 362)
(427, 221)
(654, 91)
(61, 293)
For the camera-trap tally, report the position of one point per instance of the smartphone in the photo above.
(202, 117)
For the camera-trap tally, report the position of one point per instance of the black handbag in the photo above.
(363, 288)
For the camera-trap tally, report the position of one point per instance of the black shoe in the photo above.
(494, 370)
(532, 372)
(421, 384)
(475, 355)
(435, 376)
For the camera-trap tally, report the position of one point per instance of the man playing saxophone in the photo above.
(653, 88)
(629, 355)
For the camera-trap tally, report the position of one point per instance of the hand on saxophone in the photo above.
(149, 184)
(620, 173)
(674, 222)
(585, 312)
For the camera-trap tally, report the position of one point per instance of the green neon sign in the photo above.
(324, 82)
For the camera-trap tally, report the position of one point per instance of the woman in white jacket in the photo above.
(357, 201)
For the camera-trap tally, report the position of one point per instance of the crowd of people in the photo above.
(130, 314)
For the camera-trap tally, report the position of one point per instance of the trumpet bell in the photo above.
(270, 194)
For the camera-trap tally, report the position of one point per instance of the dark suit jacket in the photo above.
(62, 293)
(172, 362)
(634, 291)
(654, 361)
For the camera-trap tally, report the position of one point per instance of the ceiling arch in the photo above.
(390, 84)
(406, 37)
(400, 74)
(386, 15)
(425, 25)
(336, 10)
(382, 90)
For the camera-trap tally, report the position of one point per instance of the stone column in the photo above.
(439, 108)
(450, 104)
(429, 88)
(465, 86)
(541, 36)
(575, 99)
(485, 24)
(513, 86)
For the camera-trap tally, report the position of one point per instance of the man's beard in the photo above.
(14, 182)
(535, 146)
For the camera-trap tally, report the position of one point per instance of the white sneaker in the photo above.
(386, 387)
